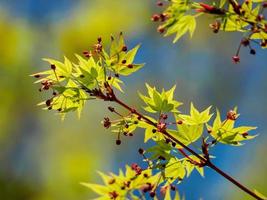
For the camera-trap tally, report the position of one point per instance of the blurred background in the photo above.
(43, 158)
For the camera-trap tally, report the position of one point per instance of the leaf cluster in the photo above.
(95, 76)
(70, 82)
(166, 159)
(179, 17)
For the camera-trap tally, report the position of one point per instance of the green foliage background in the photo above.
(43, 158)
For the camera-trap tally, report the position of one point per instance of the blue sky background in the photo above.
(36, 144)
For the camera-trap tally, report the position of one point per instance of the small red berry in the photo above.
(236, 59)
(245, 42)
(161, 158)
(111, 109)
(163, 17)
(133, 111)
(146, 175)
(134, 166)
(260, 17)
(111, 181)
(106, 122)
(37, 76)
(164, 116)
(245, 134)
(141, 151)
(113, 195)
(252, 51)
(127, 183)
(48, 102)
(173, 188)
(161, 29)
(159, 3)
(163, 190)
(264, 43)
(118, 142)
(145, 189)
(215, 26)
(155, 18)
(124, 48)
(53, 66)
(179, 122)
(86, 54)
(130, 66)
(152, 194)
(231, 115)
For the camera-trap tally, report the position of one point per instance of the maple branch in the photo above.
(206, 162)
(194, 162)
